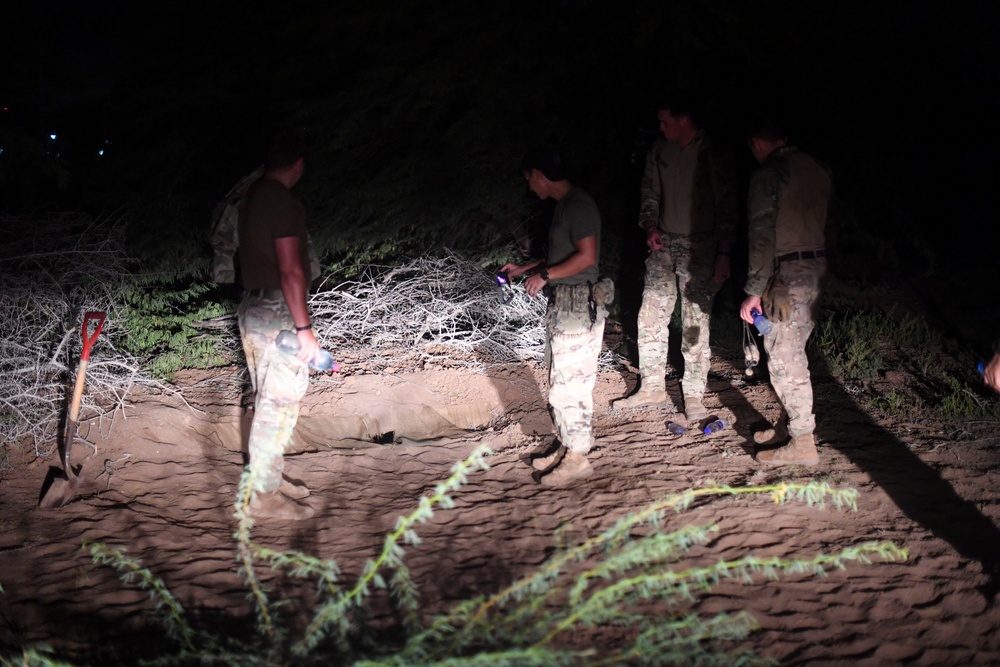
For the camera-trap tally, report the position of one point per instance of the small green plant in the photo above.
(158, 322)
(603, 580)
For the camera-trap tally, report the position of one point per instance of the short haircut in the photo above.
(546, 160)
(766, 129)
(680, 103)
(284, 150)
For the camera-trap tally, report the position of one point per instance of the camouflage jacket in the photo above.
(713, 199)
(788, 207)
(224, 237)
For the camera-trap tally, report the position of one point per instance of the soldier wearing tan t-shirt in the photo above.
(787, 205)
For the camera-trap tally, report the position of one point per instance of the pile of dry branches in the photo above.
(52, 270)
(441, 309)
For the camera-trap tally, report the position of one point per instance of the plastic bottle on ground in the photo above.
(714, 426)
(676, 428)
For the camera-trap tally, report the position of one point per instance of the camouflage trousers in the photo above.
(786, 344)
(681, 268)
(279, 380)
(572, 350)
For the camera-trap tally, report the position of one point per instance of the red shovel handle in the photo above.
(88, 340)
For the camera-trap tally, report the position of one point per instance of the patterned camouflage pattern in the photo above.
(573, 347)
(713, 200)
(280, 381)
(224, 237)
(786, 344)
(684, 269)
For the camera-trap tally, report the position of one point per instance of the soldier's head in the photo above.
(678, 116)
(286, 156)
(544, 170)
(764, 137)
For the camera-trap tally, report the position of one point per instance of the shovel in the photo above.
(60, 491)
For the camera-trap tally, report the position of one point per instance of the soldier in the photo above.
(688, 210)
(275, 266)
(788, 208)
(574, 320)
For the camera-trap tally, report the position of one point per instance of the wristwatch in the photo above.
(545, 275)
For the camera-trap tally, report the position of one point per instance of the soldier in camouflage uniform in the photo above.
(787, 204)
(574, 320)
(275, 267)
(688, 210)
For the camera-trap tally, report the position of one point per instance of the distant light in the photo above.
(6, 108)
(107, 142)
(1, 150)
(100, 152)
(52, 137)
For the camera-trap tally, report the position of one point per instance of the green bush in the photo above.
(607, 579)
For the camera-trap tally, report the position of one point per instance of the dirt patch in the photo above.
(161, 481)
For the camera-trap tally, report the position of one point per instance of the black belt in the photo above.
(269, 293)
(805, 254)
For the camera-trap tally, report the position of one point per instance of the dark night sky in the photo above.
(899, 97)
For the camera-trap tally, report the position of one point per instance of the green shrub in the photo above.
(604, 580)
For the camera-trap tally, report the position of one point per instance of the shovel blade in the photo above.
(59, 491)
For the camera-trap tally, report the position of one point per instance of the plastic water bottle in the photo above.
(762, 323)
(714, 426)
(676, 428)
(288, 342)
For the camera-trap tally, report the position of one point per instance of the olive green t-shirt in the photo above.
(576, 217)
(270, 212)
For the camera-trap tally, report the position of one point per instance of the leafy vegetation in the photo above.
(607, 580)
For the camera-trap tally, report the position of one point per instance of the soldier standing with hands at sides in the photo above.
(275, 267)
(788, 206)
(688, 211)
(574, 321)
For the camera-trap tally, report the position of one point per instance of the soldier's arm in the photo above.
(295, 287)
(649, 193)
(762, 209)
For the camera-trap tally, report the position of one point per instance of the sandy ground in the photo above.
(161, 479)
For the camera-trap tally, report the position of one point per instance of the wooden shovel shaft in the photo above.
(74, 414)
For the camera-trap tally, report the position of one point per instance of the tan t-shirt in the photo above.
(271, 212)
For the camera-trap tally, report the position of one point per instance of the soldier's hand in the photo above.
(512, 270)
(534, 284)
(654, 239)
(991, 374)
(308, 345)
(750, 303)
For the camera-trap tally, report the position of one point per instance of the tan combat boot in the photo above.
(642, 398)
(276, 505)
(574, 466)
(801, 450)
(772, 436)
(545, 462)
(693, 408)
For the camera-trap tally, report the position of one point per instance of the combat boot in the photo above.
(574, 466)
(801, 450)
(694, 409)
(642, 398)
(276, 505)
(546, 462)
(773, 435)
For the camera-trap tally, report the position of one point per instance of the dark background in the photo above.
(419, 113)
